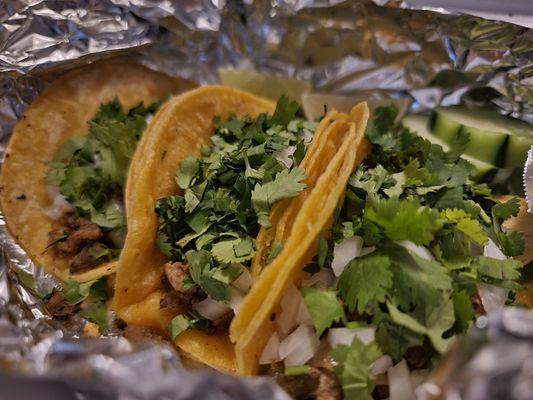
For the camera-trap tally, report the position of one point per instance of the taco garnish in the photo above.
(63, 175)
(414, 254)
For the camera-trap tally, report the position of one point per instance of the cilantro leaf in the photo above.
(286, 111)
(187, 171)
(513, 243)
(96, 313)
(323, 307)
(510, 208)
(353, 366)
(178, 325)
(285, 185)
(365, 280)
(433, 326)
(234, 251)
(466, 224)
(500, 270)
(403, 219)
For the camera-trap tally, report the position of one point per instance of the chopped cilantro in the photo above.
(323, 307)
(90, 171)
(365, 280)
(352, 368)
(228, 194)
(408, 189)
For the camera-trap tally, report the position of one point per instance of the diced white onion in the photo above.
(149, 118)
(493, 251)
(236, 299)
(324, 278)
(300, 346)
(344, 252)
(420, 251)
(271, 351)
(290, 308)
(345, 336)
(400, 386)
(59, 205)
(367, 250)
(380, 366)
(244, 281)
(303, 316)
(211, 309)
(493, 297)
(284, 155)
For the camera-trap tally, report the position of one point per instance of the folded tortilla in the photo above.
(179, 130)
(60, 113)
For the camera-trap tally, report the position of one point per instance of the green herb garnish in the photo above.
(228, 194)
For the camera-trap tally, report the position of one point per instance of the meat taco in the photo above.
(415, 253)
(63, 178)
(219, 182)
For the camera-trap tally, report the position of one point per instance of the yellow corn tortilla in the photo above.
(178, 130)
(60, 113)
(253, 325)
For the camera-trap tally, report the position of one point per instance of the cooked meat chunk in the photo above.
(79, 233)
(87, 258)
(221, 324)
(176, 274)
(138, 333)
(328, 387)
(57, 306)
(173, 299)
(178, 295)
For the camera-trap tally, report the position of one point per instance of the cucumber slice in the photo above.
(420, 124)
(265, 85)
(495, 139)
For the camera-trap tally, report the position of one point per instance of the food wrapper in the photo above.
(423, 53)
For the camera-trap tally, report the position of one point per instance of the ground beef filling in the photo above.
(78, 238)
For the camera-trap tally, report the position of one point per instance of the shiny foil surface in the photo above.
(393, 49)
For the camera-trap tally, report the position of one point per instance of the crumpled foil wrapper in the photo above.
(390, 48)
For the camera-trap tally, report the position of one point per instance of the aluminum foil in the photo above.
(390, 48)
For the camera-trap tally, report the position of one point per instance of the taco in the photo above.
(416, 251)
(64, 171)
(220, 180)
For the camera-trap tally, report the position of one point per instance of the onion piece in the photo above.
(420, 251)
(59, 205)
(284, 155)
(380, 366)
(400, 386)
(236, 299)
(271, 351)
(324, 278)
(493, 297)
(492, 250)
(345, 336)
(244, 281)
(211, 309)
(290, 309)
(300, 346)
(344, 252)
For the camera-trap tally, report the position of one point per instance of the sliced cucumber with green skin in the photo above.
(494, 138)
(420, 124)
